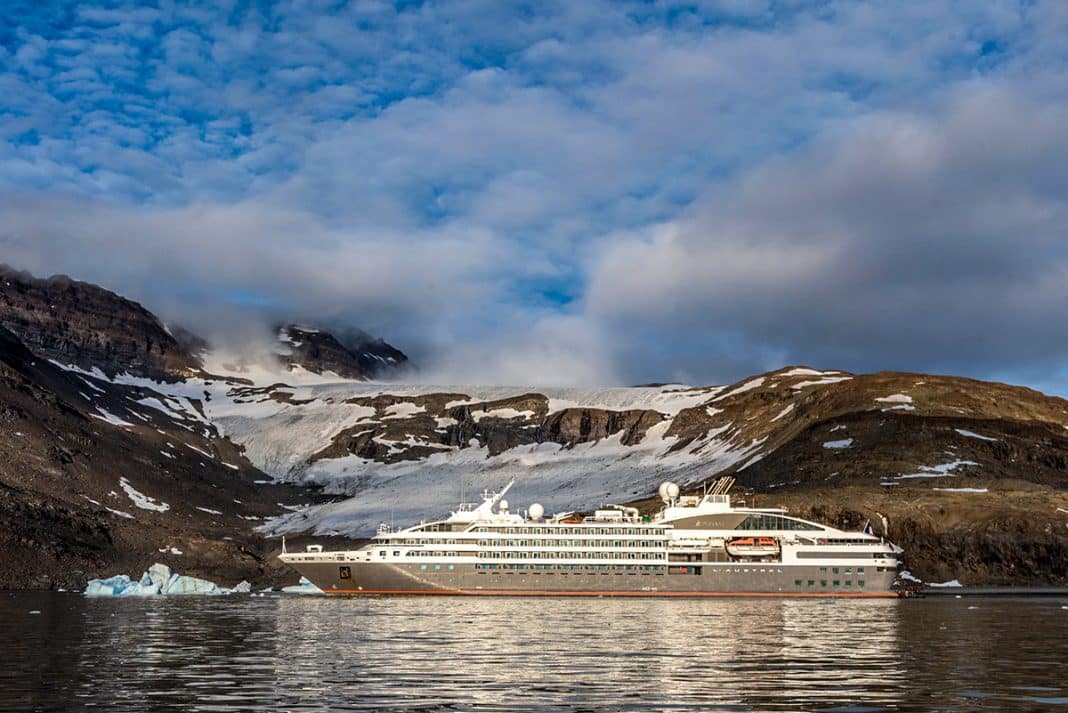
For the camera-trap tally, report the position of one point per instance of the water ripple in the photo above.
(281, 653)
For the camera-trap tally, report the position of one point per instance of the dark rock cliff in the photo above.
(79, 323)
(359, 357)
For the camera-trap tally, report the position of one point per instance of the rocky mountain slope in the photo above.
(968, 476)
(100, 477)
(360, 358)
(79, 323)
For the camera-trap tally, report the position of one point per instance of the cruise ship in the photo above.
(697, 545)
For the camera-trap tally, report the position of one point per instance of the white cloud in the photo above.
(722, 186)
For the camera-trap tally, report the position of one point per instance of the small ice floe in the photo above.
(973, 607)
(950, 583)
(972, 434)
(303, 587)
(170, 550)
(35, 611)
(209, 511)
(838, 445)
(962, 490)
(159, 580)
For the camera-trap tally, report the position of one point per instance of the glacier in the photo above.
(282, 419)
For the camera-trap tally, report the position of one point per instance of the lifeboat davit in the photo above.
(753, 547)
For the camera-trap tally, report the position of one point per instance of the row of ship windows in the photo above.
(823, 583)
(633, 530)
(575, 555)
(570, 543)
(799, 583)
(534, 555)
(573, 567)
(774, 522)
(643, 542)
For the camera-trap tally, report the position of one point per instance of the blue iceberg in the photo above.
(158, 581)
(303, 587)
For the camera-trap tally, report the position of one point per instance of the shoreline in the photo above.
(994, 591)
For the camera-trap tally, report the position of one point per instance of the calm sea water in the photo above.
(291, 653)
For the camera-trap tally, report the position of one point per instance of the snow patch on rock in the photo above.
(972, 434)
(111, 418)
(820, 382)
(747, 386)
(141, 500)
(785, 411)
(945, 470)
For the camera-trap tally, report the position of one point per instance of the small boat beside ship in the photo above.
(696, 545)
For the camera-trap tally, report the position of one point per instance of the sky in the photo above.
(577, 192)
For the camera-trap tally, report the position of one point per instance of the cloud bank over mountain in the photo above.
(561, 193)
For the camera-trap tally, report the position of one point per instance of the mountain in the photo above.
(79, 323)
(969, 476)
(106, 420)
(101, 477)
(360, 357)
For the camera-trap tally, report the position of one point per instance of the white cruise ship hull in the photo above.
(340, 577)
(695, 546)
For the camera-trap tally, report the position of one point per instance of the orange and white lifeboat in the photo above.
(753, 547)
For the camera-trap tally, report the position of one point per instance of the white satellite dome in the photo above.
(503, 506)
(668, 491)
(536, 511)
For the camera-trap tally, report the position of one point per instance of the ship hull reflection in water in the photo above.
(605, 654)
(280, 653)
